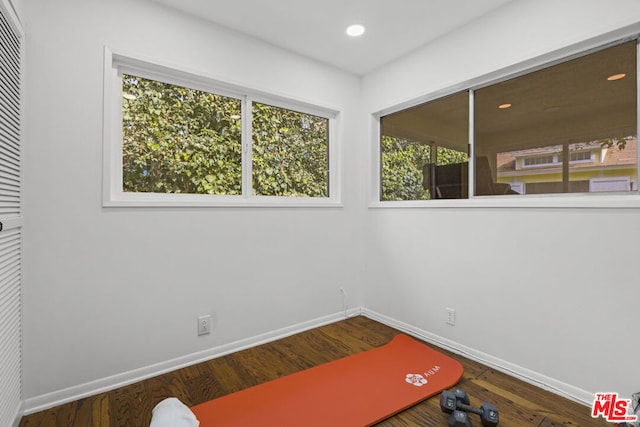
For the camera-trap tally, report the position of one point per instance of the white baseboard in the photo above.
(71, 394)
(18, 415)
(535, 378)
(60, 397)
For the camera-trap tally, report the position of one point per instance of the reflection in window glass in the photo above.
(424, 151)
(290, 152)
(570, 128)
(179, 140)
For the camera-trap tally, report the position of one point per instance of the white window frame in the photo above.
(630, 199)
(554, 161)
(591, 158)
(116, 64)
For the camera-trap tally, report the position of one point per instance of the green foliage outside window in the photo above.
(448, 156)
(179, 140)
(290, 153)
(182, 140)
(402, 163)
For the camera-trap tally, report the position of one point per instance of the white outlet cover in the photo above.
(204, 325)
(451, 316)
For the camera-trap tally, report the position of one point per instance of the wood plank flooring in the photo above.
(520, 404)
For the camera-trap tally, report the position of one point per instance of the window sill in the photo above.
(150, 200)
(607, 201)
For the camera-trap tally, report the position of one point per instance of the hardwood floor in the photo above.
(520, 404)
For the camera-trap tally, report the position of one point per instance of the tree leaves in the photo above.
(402, 164)
(401, 175)
(174, 137)
(182, 140)
(290, 153)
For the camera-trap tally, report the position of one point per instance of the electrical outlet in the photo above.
(204, 325)
(451, 316)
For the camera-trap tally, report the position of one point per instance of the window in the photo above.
(424, 151)
(584, 156)
(566, 128)
(290, 152)
(539, 161)
(178, 139)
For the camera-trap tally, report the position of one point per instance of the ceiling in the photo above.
(567, 103)
(316, 29)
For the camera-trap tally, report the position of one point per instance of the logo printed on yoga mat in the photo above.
(419, 380)
(416, 379)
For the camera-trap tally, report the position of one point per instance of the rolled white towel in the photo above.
(173, 413)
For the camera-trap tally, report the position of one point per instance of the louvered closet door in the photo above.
(10, 216)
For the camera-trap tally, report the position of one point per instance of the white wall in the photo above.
(108, 291)
(549, 290)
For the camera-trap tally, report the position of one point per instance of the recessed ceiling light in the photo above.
(503, 106)
(355, 30)
(616, 77)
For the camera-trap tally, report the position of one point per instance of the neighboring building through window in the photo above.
(596, 168)
(567, 128)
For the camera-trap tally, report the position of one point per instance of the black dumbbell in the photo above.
(457, 401)
(459, 419)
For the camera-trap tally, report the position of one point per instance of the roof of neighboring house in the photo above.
(614, 156)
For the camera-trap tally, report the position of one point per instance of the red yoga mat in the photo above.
(354, 391)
